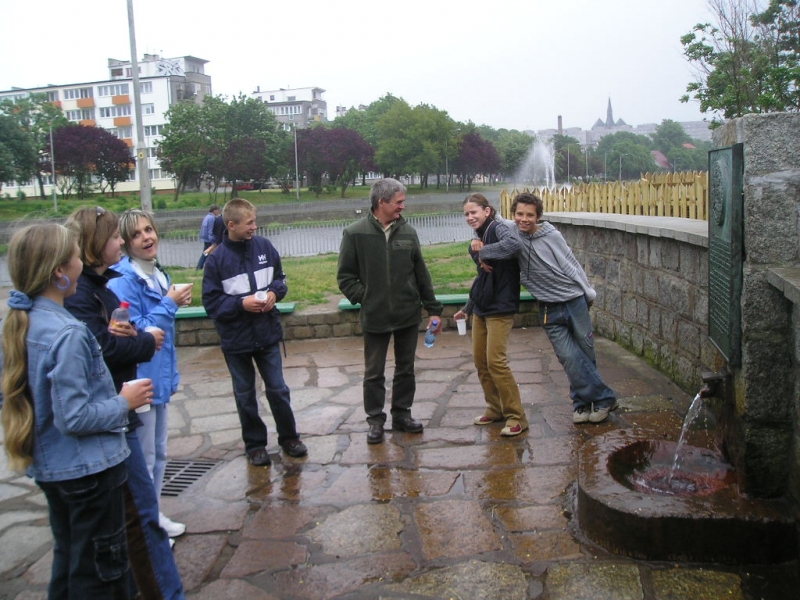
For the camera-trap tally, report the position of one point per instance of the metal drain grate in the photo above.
(180, 474)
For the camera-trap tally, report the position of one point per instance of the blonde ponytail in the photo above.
(34, 254)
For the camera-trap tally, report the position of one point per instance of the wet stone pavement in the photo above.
(457, 512)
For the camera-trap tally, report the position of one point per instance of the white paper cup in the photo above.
(261, 296)
(144, 407)
(180, 287)
(462, 326)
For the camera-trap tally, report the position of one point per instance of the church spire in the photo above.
(609, 115)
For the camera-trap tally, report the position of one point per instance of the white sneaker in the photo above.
(173, 528)
(581, 415)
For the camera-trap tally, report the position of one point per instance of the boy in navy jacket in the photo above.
(242, 282)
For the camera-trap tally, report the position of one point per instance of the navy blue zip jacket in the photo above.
(235, 270)
(93, 304)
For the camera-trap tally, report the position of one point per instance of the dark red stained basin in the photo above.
(625, 506)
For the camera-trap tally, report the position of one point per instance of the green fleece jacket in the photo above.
(388, 278)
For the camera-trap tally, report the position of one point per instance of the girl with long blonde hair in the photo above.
(63, 421)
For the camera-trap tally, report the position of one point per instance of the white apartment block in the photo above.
(109, 104)
(295, 107)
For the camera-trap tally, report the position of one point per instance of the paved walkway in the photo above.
(455, 513)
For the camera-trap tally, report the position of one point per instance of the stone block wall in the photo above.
(335, 323)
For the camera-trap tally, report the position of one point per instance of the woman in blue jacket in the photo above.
(493, 302)
(63, 421)
(154, 301)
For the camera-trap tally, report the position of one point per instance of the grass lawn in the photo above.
(312, 279)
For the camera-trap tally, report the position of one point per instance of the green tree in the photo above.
(18, 155)
(185, 145)
(250, 127)
(748, 61)
(683, 153)
(397, 146)
(513, 147)
(34, 116)
(568, 157)
(634, 149)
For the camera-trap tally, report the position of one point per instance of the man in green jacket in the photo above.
(381, 267)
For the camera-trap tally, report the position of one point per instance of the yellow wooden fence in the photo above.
(683, 194)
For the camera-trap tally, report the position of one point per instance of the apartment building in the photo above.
(297, 107)
(109, 104)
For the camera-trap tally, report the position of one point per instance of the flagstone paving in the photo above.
(457, 512)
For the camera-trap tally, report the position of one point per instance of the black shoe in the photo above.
(259, 458)
(375, 433)
(407, 424)
(295, 448)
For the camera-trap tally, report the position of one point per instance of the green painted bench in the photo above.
(446, 299)
(198, 312)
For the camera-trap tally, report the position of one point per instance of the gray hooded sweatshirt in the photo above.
(549, 270)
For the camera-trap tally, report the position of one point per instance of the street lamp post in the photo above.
(605, 165)
(446, 168)
(53, 167)
(586, 160)
(296, 171)
(567, 148)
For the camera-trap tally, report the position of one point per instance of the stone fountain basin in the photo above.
(720, 526)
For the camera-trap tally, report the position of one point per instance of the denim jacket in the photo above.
(80, 420)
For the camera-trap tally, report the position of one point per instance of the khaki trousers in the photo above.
(490, 353)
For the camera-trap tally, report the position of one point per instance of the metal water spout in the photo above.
(712, 383)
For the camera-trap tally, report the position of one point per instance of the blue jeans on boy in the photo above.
(87, 516)
(152, 563)
(569, 327)
(270, 367)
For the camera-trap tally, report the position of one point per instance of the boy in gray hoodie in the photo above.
(552, 274)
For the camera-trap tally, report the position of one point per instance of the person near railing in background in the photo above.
(207, 234)
(553, 276)
(382, 268)
(493, 302)
(63, 421)
(154, 302)
(150, 551)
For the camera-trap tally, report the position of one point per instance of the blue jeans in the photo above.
(569, 327)
(87, 516)
(153, 441)
(201, 263)
(404, 384)
(152, 563)
(270, 367)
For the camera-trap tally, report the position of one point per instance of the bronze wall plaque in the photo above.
(725, 250)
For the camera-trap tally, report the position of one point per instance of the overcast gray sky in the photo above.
(516, 64)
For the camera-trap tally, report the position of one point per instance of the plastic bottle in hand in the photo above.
(120, 316)
(430, 337)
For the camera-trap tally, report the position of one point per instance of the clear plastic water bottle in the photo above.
(430, 337)
(120, 316)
